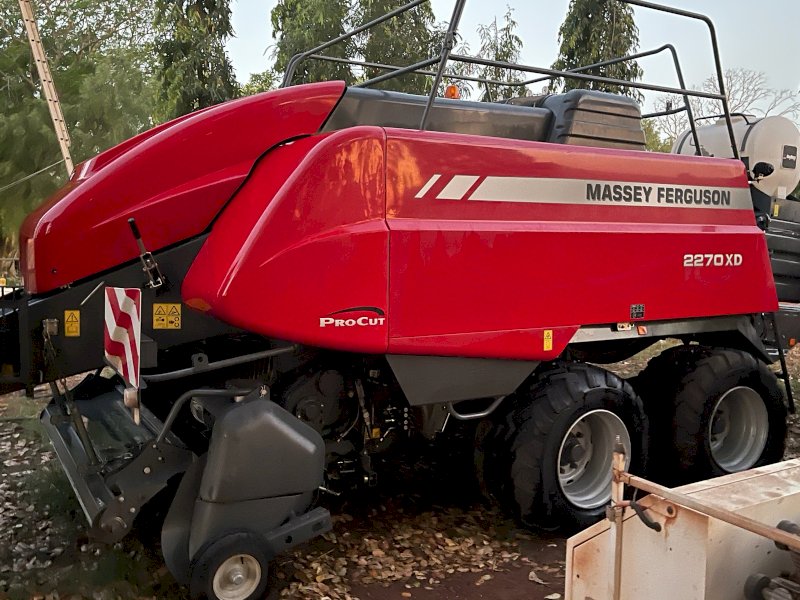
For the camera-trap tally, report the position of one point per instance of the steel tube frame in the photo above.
(221, 364)
(446, 55)
(741, 521)
(676, 63)
(717, 62)
(301, 56)
(198, 393)
(447, 48)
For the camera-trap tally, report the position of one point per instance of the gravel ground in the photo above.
(412, 538)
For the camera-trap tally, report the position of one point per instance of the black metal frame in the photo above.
(445, 56)
(15, 304)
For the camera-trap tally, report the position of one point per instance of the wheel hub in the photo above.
(584, 458)
(738, 429)
(577, 452)
(237, 577)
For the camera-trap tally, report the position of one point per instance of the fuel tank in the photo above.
(774, 140)
(173, 179)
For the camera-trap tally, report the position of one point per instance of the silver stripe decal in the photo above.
(428, 186)
(457, 187)
(541, 190)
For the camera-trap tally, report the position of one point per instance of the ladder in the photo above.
(48, 87)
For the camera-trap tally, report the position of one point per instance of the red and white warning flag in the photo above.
(123, 332)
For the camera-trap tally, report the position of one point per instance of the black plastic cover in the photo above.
(361, 106)
(592, 118)
(259, 450)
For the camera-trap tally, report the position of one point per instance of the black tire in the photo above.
(539, 425)
(211, 558)
(703, 393)
(657, 386)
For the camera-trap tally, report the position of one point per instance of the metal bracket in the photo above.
(149, 264)
(476, 415)
(136, 484)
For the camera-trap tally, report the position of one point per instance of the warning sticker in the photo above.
(548, 339)
(72, 323)
(166, 316)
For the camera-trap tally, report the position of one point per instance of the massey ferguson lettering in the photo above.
(654, 195)
(359, 322)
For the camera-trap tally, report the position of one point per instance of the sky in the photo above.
(766, 39)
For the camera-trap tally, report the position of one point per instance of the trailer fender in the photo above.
(258, 477)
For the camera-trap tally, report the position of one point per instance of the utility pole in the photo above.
(48, 87)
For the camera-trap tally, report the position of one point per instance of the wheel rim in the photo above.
(237, 578)
(585, 456)
(738, 429)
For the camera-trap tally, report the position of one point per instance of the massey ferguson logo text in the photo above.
(646, 194)
(340, 318)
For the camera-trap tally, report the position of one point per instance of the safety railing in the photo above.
(445, 56)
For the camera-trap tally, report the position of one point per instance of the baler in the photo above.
(273, 295)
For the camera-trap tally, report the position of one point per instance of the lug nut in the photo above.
(237, 577)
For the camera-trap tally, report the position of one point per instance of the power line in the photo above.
(31, 176)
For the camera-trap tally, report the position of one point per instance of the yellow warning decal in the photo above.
(72, 323)
(166, 316)
(776, 210)
(548, 339)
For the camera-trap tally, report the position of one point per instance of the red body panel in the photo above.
(173, 179)
(384, 240)
(477, 278)
(351, 220)
(306, 234)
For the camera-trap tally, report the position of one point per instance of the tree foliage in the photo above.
(653, 139)
(261, 82)
(748, 92)
(401, 41)
(500, 44)
(300, 25)
(99, 53)
(194, 70)
(595, 31)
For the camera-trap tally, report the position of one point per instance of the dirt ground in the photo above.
(425, 537)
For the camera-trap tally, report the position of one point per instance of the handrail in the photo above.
(581, 77)
(445, 56)
(676, 62)
(300, 56)
(717, 62)
(447, 48)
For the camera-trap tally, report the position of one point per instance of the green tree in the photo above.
(653, 139)
(100, 54)
(402, 41)
(504, 45)
(261, 82)
(300, 25)
(194, 70)
(594, 31)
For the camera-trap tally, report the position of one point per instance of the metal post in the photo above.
(48, 87)
(617, 511)
(447, 47)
